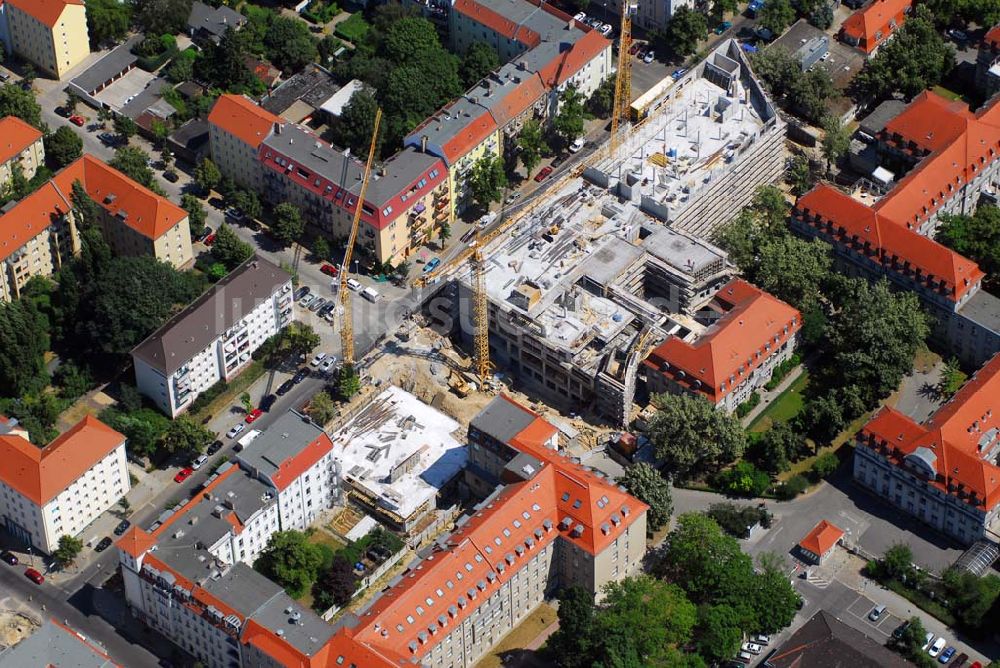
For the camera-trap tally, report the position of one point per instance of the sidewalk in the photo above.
(767, 397)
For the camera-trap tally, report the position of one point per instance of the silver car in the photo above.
(307, 300)
(317, 305)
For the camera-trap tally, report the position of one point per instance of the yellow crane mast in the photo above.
(623, 80)
(481, 316)
(347, 318)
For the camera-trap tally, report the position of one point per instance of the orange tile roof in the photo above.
(469, 137)
(953, 434)
(573, 59)
(893, 244)
(992, 37)
(528, 92)
(30, 217)
(143, 210)
(243, 119)
(15, 137)
(497, 23)
(46, 11)
(865, 23)
(136, 542)
(753, 323)
(40, 474)
(823, 537)
(292, 468)
(931, 121)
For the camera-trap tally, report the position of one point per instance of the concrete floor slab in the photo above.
(117, 94)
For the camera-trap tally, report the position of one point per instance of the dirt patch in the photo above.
(15, 627)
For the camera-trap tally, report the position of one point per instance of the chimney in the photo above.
(277, 128)
(423, 143)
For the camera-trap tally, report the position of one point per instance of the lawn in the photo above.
(521, 635)
(947, 94)
(785, 407)
(353, 29)
(319, 537)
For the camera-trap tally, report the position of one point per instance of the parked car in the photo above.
(328, 269)
(199, 461)
(752, 647)
(958, 35)
(307, 300)
(204, 235)
(34, 576)
(77, 120)
(928, 639)
(744, 657)
(467, 237)
(214, 447)
(284, 388)
(761, 639)
(543, 174)
(634, 49)
(723, 27)
(327, 309)
(328, 364)
(9, 557)
(946, 655)
(937, 647)
(580, 17)
(876, 613)
(107, 138)
(253, 415)
(900, 630)
(649, 57)
(577, 145)
(432, 265)
(317, 359)
(300, 293)
(183, 474)
(171, 176)
(353, 284)
(122, 527)
(557, 161)
(514, 196)
(237, 428)
(210, 239)
(300, 375)
(960, 661)
(103, 545)
(678, 73)
(606, 29)
(317, 304)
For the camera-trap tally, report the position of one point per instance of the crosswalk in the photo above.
(817, 581)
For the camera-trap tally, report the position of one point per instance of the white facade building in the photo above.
(58, 490)
(214, 338)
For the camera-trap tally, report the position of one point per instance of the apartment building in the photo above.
(52, 34)
(20, 145)
(294, 457)
(58, 490)
(873, 25)
(214, 338)
(546, 522)
(947, 157)
(750, 332)
(237, 127)
(943, 471)
(57, 645)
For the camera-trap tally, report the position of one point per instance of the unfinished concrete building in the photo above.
(698, 159)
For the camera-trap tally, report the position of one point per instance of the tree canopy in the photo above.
(684, 30)
(357, 122)
(186, 435)
(531, 142)
(336, 585)
(290, 45)
(108, 20)
(646, 484)
(229, 249)
(568, 123)
(133, 162)
(159, 17)
(691, 437)
(487, 180)
(63, 146)
(777, 15)
(977, 237)
(23, 342)
(288, 225)
(290, 560)
(15, 101)
(478, 61)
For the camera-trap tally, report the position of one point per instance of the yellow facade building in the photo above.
(52, 34)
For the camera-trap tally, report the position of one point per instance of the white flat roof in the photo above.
(394, 427)
(335, 104)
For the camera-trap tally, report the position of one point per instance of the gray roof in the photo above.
(288, 436)
(876, 121)
(826, 642)
(243, 589)
(401, 171)
(610, 261)
(192, 134)
(52, 645)
(983, 309)
(184, 544)
(147, 99)
(117, 61)
(213, 20)
(306, 150)
(208, 317)
(299, 627)
(502, 420)
(682, 251)
(313, 85)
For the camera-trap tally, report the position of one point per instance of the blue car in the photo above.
(432, 265)
(946, 655)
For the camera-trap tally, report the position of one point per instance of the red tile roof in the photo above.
(953, 434)
(15, 137)
(46, 11)
(30, 217)
(290, 469)
(40, 474)
(573, 59)
(497, 23)
(136, 542)
(823, 537)
(147, 213)
(243, 119)
(992, 38)
(469, 137)
(930, 121)
(753, 324)
(866, 23)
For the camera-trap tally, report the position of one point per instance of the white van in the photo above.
(246, 440)
(371, 294)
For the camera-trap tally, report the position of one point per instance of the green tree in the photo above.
(799, 175)
(779, 446)
(196, 213)
(910, 643)
(85, 209)
(125, 127)
(186, 435)
(531, 143)
(444, 232)
(290, 560)
(977, 237)
(336, 585)
(809, 94)
(792, 269)
(744, 479)
(777, 68)
(479, 60)
(288, 224)
(108, 21)
(348, 382)
(15, 101)
(321, 408)
(874, 337)
(692, 437)
(897, 562)
(68, 550)
(223, 65)
(825, 465)
(702, 559)
(823, 418)
(247, 202)
(718, 635)
(722, 7)
(487, 180)
(568, 123)
(646, 484)
(321, 248)
(247, 402)
(17, 187)
(160, 17)
(357, 122)
(410, 38)
(836, 140)
(822, 16)
(777, 15)
(133, 162)
(73, 381)
(229, 249)
(289, 45)
(302, 339)
(686, 28)
(602, 99)
(571, 644)
(207, 176)
(23, 342)
(181, 69)
(972, 597)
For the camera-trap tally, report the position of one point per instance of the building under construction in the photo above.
(612, 263)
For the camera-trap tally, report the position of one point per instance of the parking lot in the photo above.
(129, 86)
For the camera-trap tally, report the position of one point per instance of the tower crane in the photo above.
(623, 80)
(481, 315)
(347, 322)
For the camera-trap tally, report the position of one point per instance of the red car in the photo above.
(543, 173)
(77, 120)
(34, 576)
(634, 49)
(183, 474)
(329, 270)
(210, 239)
(254, 414)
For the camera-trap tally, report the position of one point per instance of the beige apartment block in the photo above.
(20, 144)
(52, 34)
